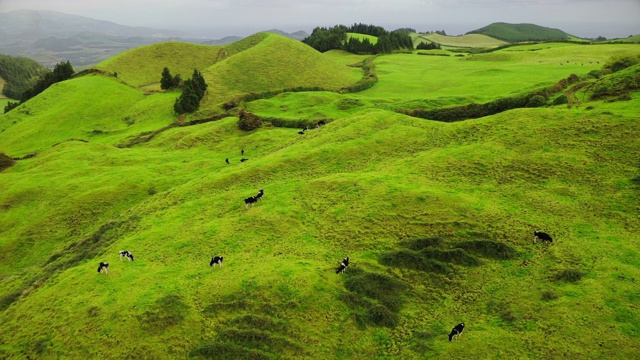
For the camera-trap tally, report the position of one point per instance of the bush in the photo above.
(618, 63)
(537, 101)
(562, 99)
(248, 121)
(5, 161)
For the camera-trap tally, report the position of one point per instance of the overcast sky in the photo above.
(584, 18)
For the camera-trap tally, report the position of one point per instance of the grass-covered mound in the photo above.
(143, 65)
(94, 107)
(275, 63)
(513, 33)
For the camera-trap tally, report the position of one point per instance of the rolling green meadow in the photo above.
(436, 217)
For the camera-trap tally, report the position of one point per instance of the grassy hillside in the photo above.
(464, 41)
(437, 218)
(513, 33)
(143, 66)
(361, 37)
(275, 63)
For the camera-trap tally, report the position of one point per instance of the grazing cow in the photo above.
(250, 200)
(259, 196)
(243, 160)
(216, 260)
(227, 160)
(456, 331)
(542, 236)
(301, 132)
(343, 265)
(242, 152)
(127, 254)
(103, 267)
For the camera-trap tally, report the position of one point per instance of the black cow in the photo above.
(456, 331)
(103, 267)
(542, 236)
(216, 260)
(301, 132)
(343, 265)
(242, 152)
(243, 160)
(127, 254)
(227, 160)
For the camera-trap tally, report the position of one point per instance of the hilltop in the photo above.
(513, 33)
(436, 217)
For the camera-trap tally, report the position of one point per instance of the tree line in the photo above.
(62, 71)
(335, 38)
(20, 74)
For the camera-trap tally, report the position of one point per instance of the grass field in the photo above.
(372, 39)
(463, 41)
(437, 218)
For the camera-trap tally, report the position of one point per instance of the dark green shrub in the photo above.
(569, 275)
(5, 161)
(248, 121)
(596, 74)
(618, 63)
(560, 100)
(537, 101)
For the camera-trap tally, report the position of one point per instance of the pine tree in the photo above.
(166, 81)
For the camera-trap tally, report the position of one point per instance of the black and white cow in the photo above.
(250, 200)
(127, 254)
(216, 260)
(456, 331)
(259, 196)
(539, 235)
(103, 267)
(343, 265)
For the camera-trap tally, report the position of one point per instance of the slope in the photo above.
(278, 295)
(464, 41)
(521, 32)
(94, 107)
(275, 63)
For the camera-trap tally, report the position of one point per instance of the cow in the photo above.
(259, 196)
(243, 160)
(242, 152)
(216, 260)
(127, 254)
(343, 265)
(320, 123)
(301, 132)
(227, 160)
(250, 200)
(542, 236)
(103, 267)
(456, 331)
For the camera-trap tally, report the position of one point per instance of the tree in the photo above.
(10, 106)
(193, 91)
(166, 81)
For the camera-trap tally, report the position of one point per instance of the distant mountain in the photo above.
(513, 33)
(50, 37)
(32, 25)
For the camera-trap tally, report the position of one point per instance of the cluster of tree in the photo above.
(335, 38)
(428, 46)
(192, 92)
(20, 74)
(167, 81)
(61, 72)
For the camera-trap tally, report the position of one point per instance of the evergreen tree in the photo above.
(166, 81)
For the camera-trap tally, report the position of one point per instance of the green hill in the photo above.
(513, 33)
(372, 39)
(437, 218)
(464, 41)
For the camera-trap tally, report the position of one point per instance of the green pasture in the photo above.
(372, 39)
(463, 41)
(437, 218)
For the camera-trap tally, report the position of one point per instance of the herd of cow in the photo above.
(457, 330)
